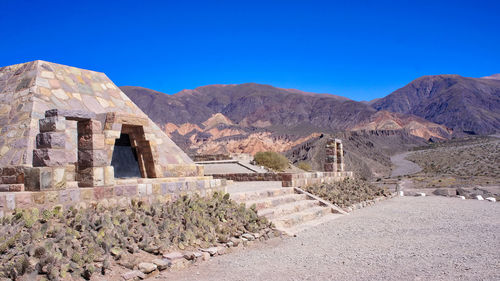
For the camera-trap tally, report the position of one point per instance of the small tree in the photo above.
(271, 160)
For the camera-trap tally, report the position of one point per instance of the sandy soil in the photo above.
(405, 238)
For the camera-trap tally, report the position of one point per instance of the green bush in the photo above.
(271, 160)
(304, 166)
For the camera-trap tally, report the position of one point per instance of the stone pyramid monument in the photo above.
(62, 125)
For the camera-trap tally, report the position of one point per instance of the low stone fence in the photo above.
(157, 189)
(289, 179)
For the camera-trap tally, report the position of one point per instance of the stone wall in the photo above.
(140, 189)
(289, 179)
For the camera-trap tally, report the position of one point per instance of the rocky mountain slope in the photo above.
(249, 118)
(367, 153)
(252, 105)
(464, 104)
(385, 120)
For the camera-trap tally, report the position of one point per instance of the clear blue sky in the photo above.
(359, 49)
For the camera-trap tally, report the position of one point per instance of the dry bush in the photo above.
(304, 166)
(347, 192)
(71, 243)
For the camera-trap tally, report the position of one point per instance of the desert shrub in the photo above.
(271, 160)
(59, 243)
(304, 166)
(347, 192)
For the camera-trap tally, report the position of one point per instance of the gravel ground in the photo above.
(402, 166)
(405, 238)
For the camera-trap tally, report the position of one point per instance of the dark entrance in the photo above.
(124, 160)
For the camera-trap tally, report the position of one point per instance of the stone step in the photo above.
(288, 208)
(270, 202)
(293, 219)
(259, 194)
(294, 230)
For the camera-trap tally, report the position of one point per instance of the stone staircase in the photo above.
(290, 211)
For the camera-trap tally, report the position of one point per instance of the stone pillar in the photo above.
(340, 155)
(50, 155)
(93, 168)
(331, 156)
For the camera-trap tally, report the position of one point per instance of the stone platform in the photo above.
(124, 190)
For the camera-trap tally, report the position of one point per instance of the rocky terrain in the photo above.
(404, 238)
(367, 153)
(87, 242)
(464, 104)
(465, 162)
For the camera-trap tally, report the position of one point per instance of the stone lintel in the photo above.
(76, 115)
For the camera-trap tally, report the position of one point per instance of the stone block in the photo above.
(24, 200)
(58, 178)
(51, 197)
(331, 159)
(39, 178)
(77, 115)
(70, 173)
(109, 175)
(52, 124)
(330, 167)
(16, 187)
(142, 189)
(39, 197)
(330, 151)
(47, 157)
(86, 194)
(102, 192)
(75, 195)
(3, 203)
(92, 158)
(91, 141)
(156, 188)
(90, 176)
(127, 190)
(133, 275)
(89, 127)
(10, 201)
(64, 197)
(109, 134)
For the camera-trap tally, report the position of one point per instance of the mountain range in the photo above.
(253, 117)
(470, 105)
(250, 117)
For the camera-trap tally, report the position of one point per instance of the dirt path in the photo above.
(405, 238)
(403, 167)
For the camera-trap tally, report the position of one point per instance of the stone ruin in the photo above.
(334, 156)
(70, 135)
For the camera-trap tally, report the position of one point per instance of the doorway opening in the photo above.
(132, 154)
(124, 159)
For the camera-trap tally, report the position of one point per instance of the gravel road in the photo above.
(402, 166)
(405, 238)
